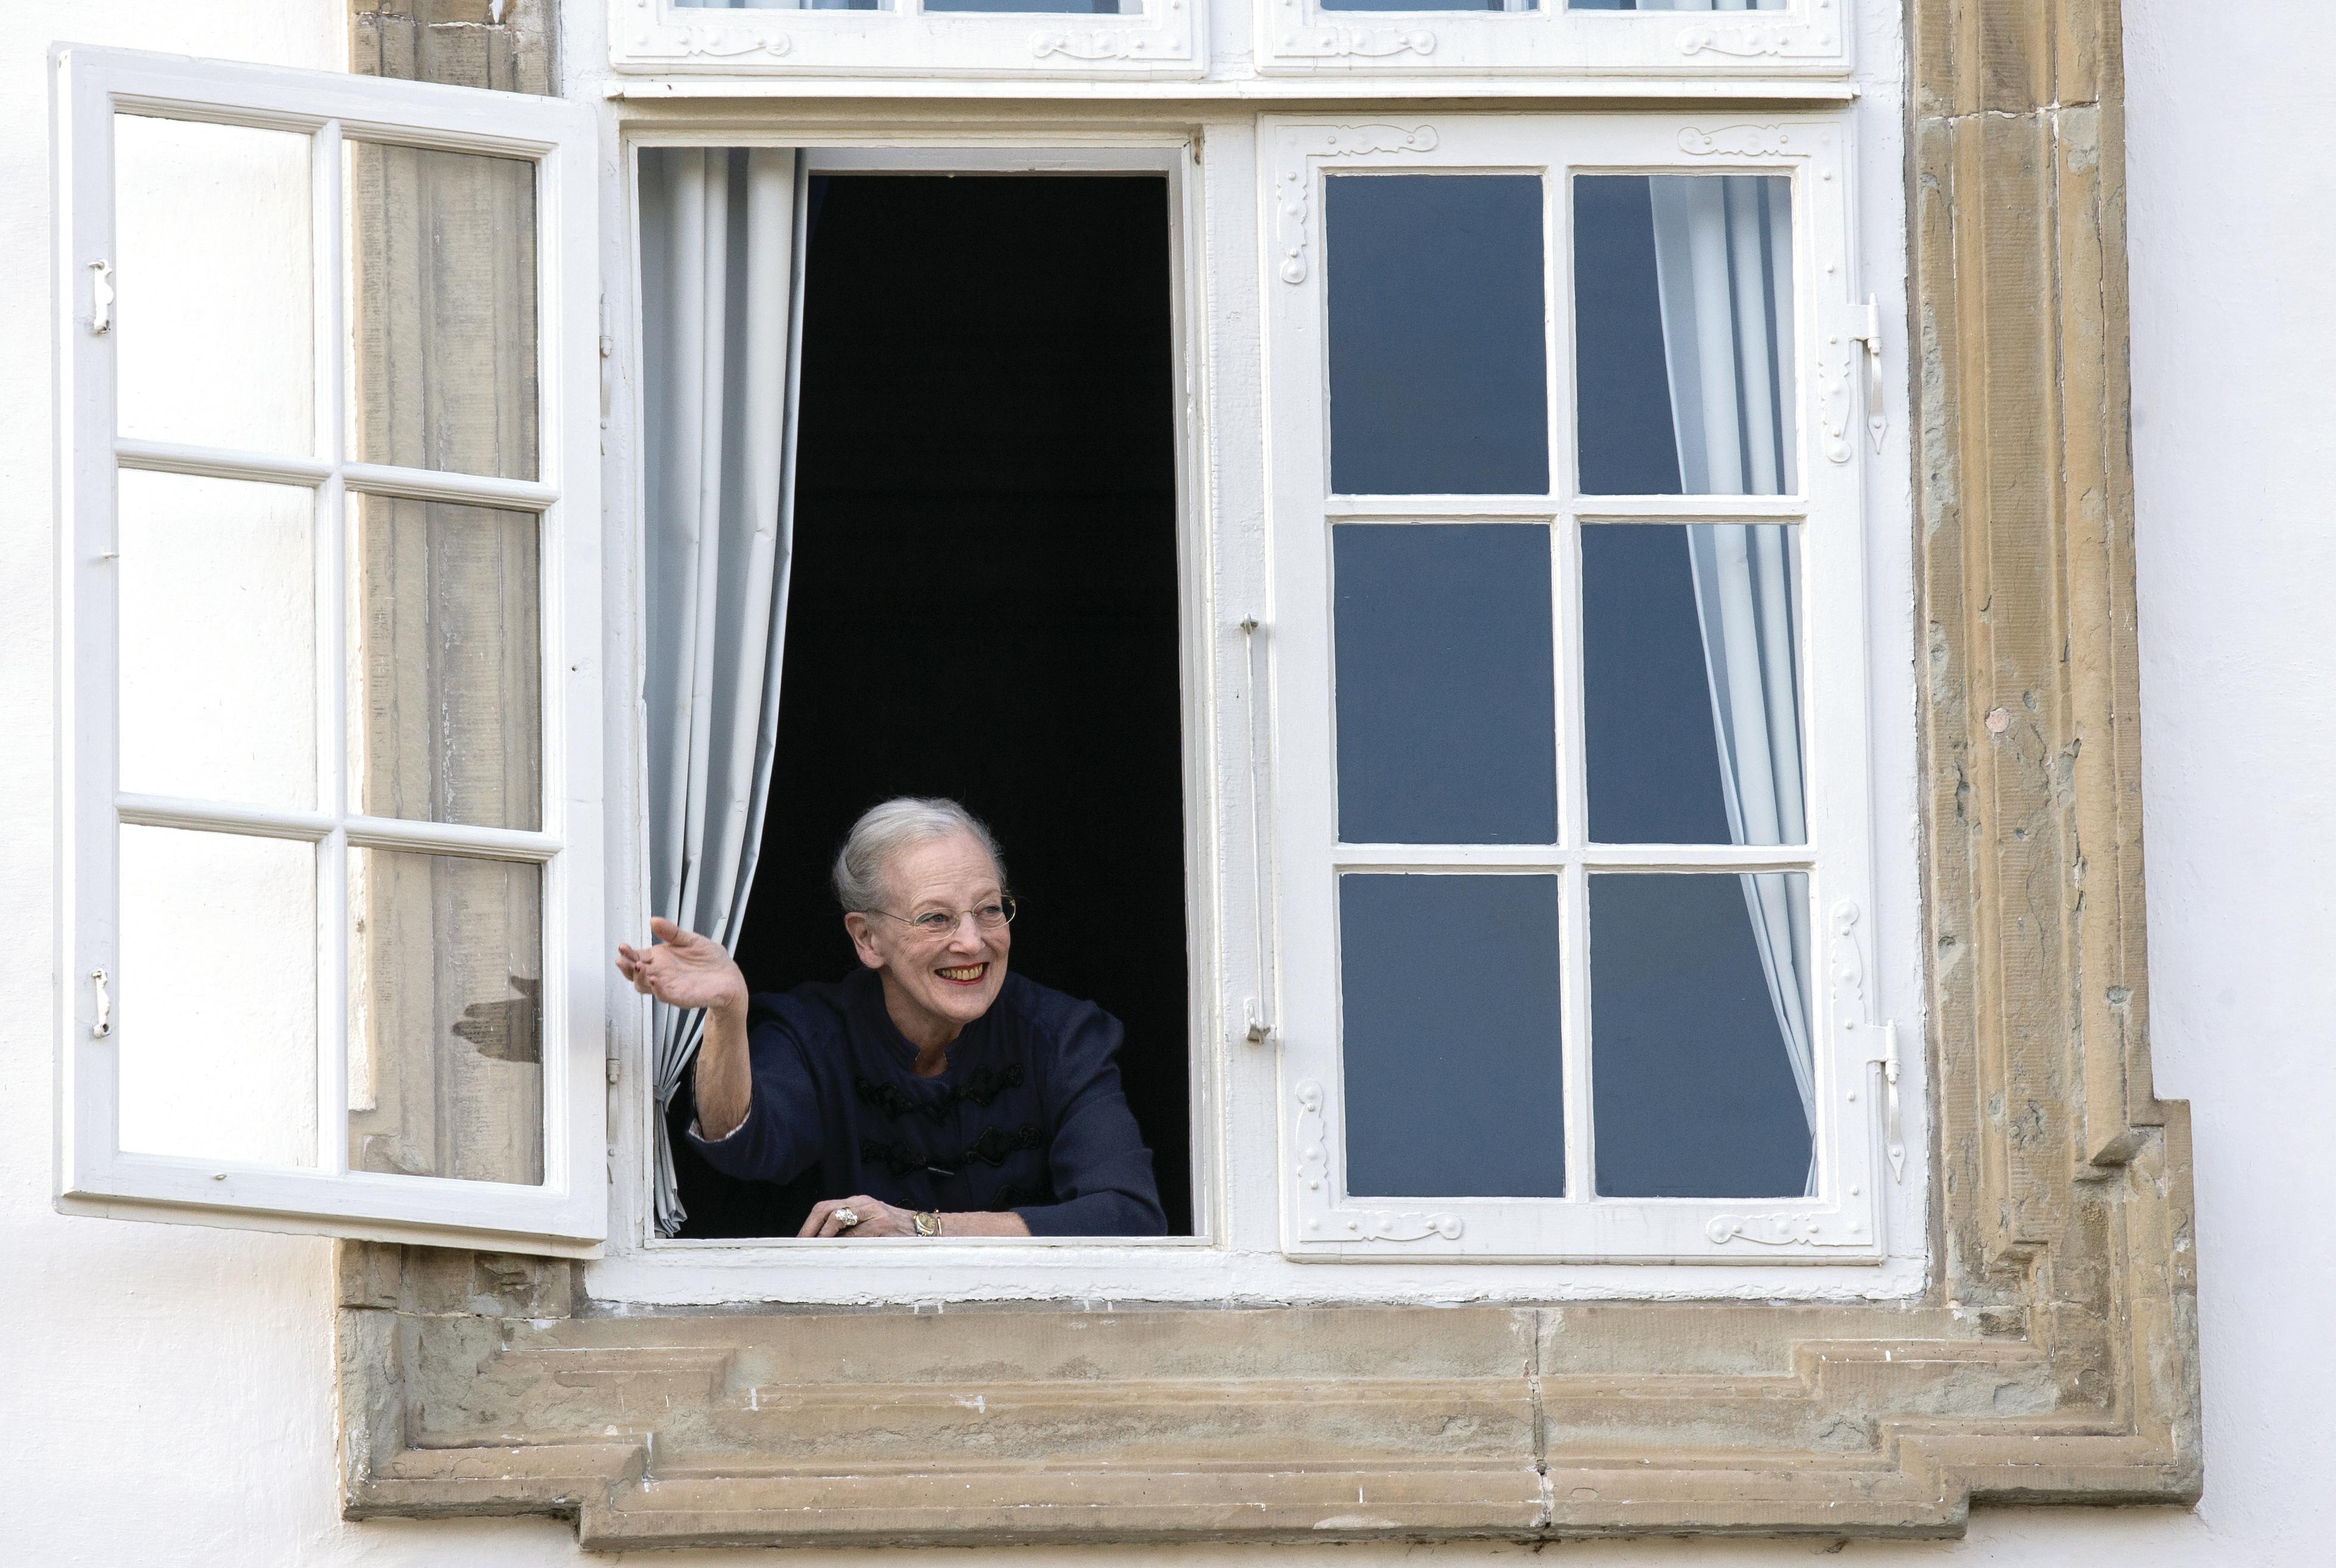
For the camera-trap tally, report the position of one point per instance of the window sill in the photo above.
(477, 1383)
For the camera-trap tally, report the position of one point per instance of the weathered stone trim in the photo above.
(2054, 1358)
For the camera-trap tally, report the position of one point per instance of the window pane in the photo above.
(445, 1017)
(215, 340)
(218, 1040)
(443, 310)
(1437, 367)
(1445, 698)
(1683, 339)
(785, 5)
(1689, 674)
(1675, 5)
(1700, 1035)
(1449, 1035)
(1074, 7)
(217, 603)
(445, 663)
(1428, 4)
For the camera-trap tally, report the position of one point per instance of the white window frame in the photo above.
(1807, 38)
(568, 1214)
(1844, 1219)
(1230, 254)
(1165, 41)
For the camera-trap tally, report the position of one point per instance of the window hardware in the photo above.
(1257, 1017)
(101, 298)
(104, 1025)
(1893, 1138)
(1877, 419)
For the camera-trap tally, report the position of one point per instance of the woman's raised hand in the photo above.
(683, 969)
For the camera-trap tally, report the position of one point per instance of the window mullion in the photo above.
(332, 657)
(1573, 938)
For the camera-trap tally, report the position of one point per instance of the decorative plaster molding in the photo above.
(1837, 367)
(1363, 43)
(1742, 40)
(1737, 142)
(1744, 43)
(1093, 44)
(1784, 1229)
(1321, 1218)
(711, 44)
(1293, 181)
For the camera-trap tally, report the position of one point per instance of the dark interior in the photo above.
(984, 602)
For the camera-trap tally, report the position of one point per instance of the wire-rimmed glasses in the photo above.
(940, 925)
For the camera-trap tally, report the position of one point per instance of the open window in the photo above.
(329, 874)
(1570, 762)
(911, 505)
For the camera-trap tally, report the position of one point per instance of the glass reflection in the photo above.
(445, 1017)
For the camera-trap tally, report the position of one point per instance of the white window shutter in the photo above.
(298, 993)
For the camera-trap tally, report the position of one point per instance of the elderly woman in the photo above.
(938, 1095)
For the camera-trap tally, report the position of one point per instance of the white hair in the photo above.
(883, 831)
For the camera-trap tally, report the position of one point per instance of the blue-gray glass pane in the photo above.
(1446, 692)
(1699, 1035)
(1449, 1034)
(1086, 7)
(1683, 335)
(1691, 684)
(785, 5)
(1675, 5)
(1426, 5)
(1438, 370)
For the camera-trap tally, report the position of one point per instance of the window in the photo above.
(332, 836)
(1399, 38)
(1569, 707)
(1591, 569)
(912, 38)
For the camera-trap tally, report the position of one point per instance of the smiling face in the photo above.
(935, 985)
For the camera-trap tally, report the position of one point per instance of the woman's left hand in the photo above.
(876, 1219)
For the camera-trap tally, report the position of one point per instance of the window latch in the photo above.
(104, 1025)
(1877, 419)
(1257, 1017)
(1893, 1138)
(101, 298)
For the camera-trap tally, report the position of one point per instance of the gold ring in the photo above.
(846, 1218)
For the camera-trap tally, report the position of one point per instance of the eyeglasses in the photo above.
(939, 925)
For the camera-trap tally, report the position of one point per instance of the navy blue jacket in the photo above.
(1028, 1115)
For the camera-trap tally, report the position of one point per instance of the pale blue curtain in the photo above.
(721, 292)
(1723, 260)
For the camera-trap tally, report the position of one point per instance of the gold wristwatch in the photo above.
(928, 1224)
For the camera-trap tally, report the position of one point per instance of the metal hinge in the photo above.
(101, 298)
(104, 1025)
(1893, 1138)
(1877, 418)
(607, 355)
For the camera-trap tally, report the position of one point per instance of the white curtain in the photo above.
(1723, 261)
(721, 292)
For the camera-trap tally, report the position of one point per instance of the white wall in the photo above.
(165, 1392)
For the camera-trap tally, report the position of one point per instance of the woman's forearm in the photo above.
(1007, 1224)
(725, 1082)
